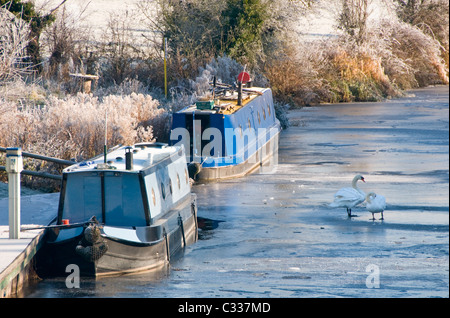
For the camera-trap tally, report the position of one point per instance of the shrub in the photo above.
(393, 56)
(409, 57)
(332, 70)
(431, 17)
(293, 76)
(359, 74)
(14, 34)
(74, 127)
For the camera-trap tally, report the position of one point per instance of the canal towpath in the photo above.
(16, 254)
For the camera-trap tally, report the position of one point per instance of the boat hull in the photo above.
(267, 153)
(147, 249)
(230, 140)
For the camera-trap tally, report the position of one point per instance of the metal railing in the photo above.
(41, 174)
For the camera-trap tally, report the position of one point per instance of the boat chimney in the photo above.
(129, 158)
(239, 101)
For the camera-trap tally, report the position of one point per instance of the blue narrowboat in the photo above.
(127, 211)
(229, 133)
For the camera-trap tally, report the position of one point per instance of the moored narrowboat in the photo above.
(229, 133)
(127, 212)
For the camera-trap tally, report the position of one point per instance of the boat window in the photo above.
(249, 123)
(268, 108)
(163, 191)
(170, 186)
(259, 118)
(264, 114)
(240, 130)
(123, 200)
(153, 197)
(186, 175)
(83, 197)
(178, 181)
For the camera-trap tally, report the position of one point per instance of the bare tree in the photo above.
(431, 16)
(120, 50)
(65, 41)
(14, 34)
(353, 18)
(407, 9)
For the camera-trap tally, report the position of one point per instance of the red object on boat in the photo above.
(243, 77)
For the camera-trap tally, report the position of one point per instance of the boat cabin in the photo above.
(134, 187)
(232, 131)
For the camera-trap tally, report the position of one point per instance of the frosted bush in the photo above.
(82, 119)
(74, 127)
(226, 71)
(127, 87)
(13, 41)
(409, 52)
(17, 127)
(223, 68)
(201, 84)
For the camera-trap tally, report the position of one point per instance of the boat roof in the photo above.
(228, 102)
(144, 156)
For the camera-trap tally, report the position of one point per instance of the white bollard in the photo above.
(14, 165)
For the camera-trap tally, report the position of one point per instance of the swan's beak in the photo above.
(362, 179)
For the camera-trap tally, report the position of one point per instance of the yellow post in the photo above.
(165, 66)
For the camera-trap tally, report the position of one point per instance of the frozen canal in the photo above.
(273, 234)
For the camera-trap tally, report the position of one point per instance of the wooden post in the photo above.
(86, 86)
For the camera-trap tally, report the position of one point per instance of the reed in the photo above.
(73, 127)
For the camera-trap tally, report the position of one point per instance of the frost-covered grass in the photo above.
(13, 41)
(395, 56)
(74, 127)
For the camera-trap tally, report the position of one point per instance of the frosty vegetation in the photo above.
(43, 111)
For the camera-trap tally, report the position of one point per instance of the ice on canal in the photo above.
(272, 234)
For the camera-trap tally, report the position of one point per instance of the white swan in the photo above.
(349, 197)
(376, 203)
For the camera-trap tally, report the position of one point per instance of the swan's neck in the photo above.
(354, 185)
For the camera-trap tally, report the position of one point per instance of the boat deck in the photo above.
(228, 104)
